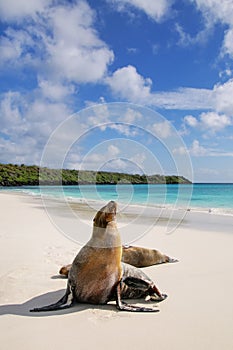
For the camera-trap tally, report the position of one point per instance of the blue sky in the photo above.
(173, 56)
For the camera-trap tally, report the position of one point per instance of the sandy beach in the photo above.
(198, 313)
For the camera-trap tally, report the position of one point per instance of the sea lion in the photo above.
(143, 257)
(136, 256)
(97, 274)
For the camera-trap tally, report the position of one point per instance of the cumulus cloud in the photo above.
(124, 129)
(132, 116)
(210, 122)
(214, 122)
(213, 12)
(50, 41)
(80, 58)
(100, 156)
(12, 10)
(127, 83)
(55, 90)
(228, 43)
(26, 126)
(41, 36)
(216, 10)
(219, 11)
(162, 130)
(197, 150)
(191, 120)
(14, 46)
(156, 10)
(223, 97)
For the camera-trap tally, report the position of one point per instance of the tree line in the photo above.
(32, 175)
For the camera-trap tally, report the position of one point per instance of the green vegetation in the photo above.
(23, 175)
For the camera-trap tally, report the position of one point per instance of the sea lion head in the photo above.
(106, 215)
(105, 233)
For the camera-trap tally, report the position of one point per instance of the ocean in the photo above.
(215, 198)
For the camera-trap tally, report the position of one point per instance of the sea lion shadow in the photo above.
(45, 299)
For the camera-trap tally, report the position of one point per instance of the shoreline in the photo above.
(218, 211)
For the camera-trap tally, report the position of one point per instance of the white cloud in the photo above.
(185, 39)
(216, 10)
(132, 116)
(214, 122)
(162, 130)
(210, 122)
(228, 42)
(124, 129)
(99, 116)
(79, 58)
(183, 98)
(138, 159)
(197, 150)
(191, 121)
(213, 12)
(55, 90)
(155, 10)
(113, 150)
(59, 43)
(118, 165)
(219, 11)
(226, 73)
(50, 42)
(12, 10)
(14, 46)
(9, 50)
(12, 152)
(127, 83)
(180, 151)
(223, 97)
(98, 158)
(26, 126)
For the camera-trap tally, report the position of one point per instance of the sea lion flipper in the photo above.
(65, 302)
(127, 307)
(64, 270)
(137, 283)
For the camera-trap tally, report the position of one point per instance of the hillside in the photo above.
(24, 175)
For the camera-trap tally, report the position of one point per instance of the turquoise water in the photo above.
(216, 196)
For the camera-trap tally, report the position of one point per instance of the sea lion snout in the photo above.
(105, 233)
(105, 215)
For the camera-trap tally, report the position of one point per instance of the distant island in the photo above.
(32, 175)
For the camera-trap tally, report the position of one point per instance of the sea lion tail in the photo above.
(65, 302)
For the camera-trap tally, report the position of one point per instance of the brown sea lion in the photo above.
(97, 274)
(136, 256)
(143, 257)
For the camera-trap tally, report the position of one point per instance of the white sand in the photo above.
(198, 314)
